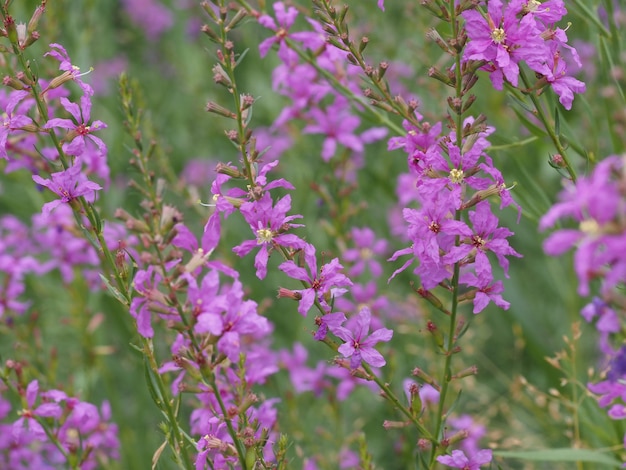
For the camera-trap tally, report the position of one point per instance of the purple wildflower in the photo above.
(367, 247)
(325, 283)
(326, 322)
(358, 345)
(69, 184)
(12, 121)
(503, 40)
(73, 71)
(285, 18)
(596, 203)
(458, 459)
(150, 15)
(78, 130)
(338, 126)
(269, 223)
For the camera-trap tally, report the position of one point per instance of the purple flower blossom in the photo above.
(367, 247)
(614, 388)
(338, 126)
(12, 121)
(69, 185)
(562, 84)
(596, 203)
(59, 53)
(285, 17)
(150, 15)
(326, 322)
(358, 345)
(303, 378)
(458, 459)
(79, 130)
(146, 284)
(503, 40)
(487, 236)
(329, 281)
(269, 223)
(222, 312)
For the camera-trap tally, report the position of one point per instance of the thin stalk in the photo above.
(447, 373)
(548, 124)
(241, 453)
(88, 209)
(180, 447)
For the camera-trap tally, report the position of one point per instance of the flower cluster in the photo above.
(597, 203)
(313, 99)
(523, 30)
(451, 181)
(53, 429)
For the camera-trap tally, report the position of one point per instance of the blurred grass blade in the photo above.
(562, 455)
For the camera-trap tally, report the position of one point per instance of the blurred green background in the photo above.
(174, 74)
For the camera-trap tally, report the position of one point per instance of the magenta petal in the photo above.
(372, 357)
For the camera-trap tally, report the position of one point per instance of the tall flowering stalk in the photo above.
(596, 204)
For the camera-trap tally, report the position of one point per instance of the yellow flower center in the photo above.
(498, 35)
(264, 235)
(456, 175)
(590, 227)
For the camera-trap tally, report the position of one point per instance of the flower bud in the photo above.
(473, 370)
(424, 377)
(235, 20)
(34, 19)
(212, 107)
(436, 333)
(13, 83)
(11, 29)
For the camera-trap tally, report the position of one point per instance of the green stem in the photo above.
(549, 126)
(179, 447)
(87, 208)
(447, 368)
(241, 452)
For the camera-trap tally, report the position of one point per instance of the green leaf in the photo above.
(557, 121)
(152, 386)
(114, 290)
(528, 124)
(561, 455)
(240, 58)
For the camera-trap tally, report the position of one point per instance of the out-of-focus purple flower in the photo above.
(338, 126)
(12, 121)
(198, 171)
(458, 459)
(475, 432)
(303, 378)
(150, 15)
(596, 203)
(367, 247)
